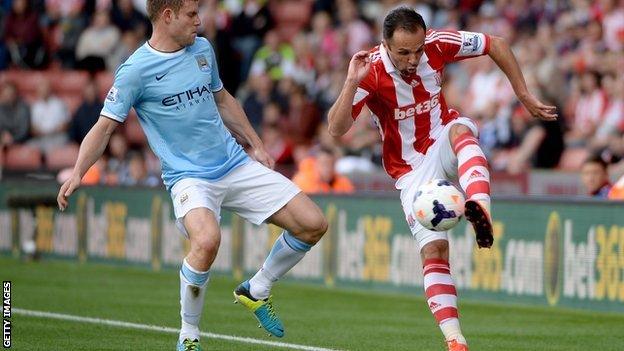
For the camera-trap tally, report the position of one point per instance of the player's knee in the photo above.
(320, 228)
(205, 244)
(314, 230)
(457, 130)
(435, 249)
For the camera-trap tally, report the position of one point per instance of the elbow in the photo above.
(334, 131)
(497, 44)
(338, 122)
(497, 39)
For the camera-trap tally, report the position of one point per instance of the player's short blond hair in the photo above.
(156, 7)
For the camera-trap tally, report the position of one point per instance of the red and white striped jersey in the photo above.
(410, 111)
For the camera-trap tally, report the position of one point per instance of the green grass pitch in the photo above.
(313, 315)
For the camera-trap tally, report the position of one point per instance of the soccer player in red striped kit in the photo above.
(400, 83)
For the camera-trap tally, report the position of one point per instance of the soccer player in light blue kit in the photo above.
(173, 83)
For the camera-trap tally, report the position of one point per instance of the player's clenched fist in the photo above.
(359, 66)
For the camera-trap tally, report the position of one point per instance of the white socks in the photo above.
(285, 254)
(192, 289)
(451, 330)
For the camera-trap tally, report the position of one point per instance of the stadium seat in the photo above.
(61, 157)
(23, 158)
(64, 83)
(68, 82)
(29, 97)
(26, 81)
(572, 159)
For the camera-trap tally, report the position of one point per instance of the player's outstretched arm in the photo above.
(91, 149)
(236, 121)
(339, 115)
(501, 53)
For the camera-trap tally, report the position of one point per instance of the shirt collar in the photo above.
(163, 53)
(389, 66)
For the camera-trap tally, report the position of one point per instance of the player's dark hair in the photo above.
(596, 158)
(405, 18)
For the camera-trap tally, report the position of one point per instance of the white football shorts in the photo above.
(440, 162)
(252, 190)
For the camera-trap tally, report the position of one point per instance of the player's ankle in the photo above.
(452, 331)
(459, 338)
(260, 286)
(189, 331)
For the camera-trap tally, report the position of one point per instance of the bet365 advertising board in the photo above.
(546, 252)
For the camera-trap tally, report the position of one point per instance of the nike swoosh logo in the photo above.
(161, 77)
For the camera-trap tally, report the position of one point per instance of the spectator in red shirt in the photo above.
(23, 36)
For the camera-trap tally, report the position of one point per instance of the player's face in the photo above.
(184, 26)
(405, 49)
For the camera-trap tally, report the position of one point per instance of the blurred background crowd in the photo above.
(286, 60)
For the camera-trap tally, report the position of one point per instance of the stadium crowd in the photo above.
(286, 61)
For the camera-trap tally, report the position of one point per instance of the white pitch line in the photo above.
(122, 324)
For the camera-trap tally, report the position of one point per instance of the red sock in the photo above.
(473, 173)
(440, 289)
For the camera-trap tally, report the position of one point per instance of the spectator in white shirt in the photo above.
(49, 118)
(97, 43)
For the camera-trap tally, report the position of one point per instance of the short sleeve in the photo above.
(458, 45)
(123, 94)
(215, 80)
(364, 91)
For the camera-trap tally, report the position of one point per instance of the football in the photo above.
(438, 205)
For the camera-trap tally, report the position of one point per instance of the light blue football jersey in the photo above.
(172, 94)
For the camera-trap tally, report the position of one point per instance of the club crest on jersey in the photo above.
(202, 63)
(414, 83)
(112, 94)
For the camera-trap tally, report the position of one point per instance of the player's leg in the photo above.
(196, 206)
(440, 289)
(203, 231)
(439, 286)
(304, 224)
(275, 200)
(474, 178)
